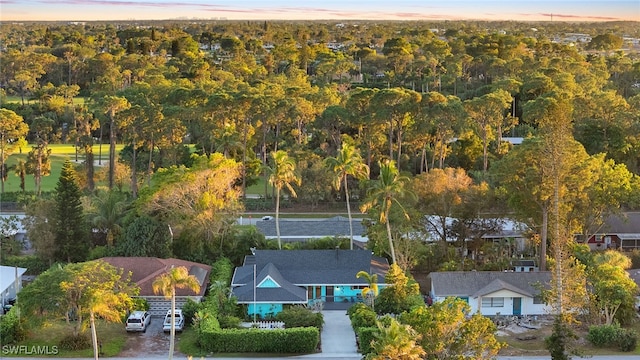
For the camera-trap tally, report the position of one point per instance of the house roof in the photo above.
(481, 283)
(336, 226)
(284, 292)
(292, 270)
(8, 275)
(628, 222)
(144, 270)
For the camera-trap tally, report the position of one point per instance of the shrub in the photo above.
(11, 329)
(189, 310)
(627, 340)
(229, 322)
(613, 336)
(140, 304)
(365, 336)
(300, 316)
(363, 317)
(602, 335)
(283, 341)
(75, 342)
(205, 322)
(221, 270)
(355, 307)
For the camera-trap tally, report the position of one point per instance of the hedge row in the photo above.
(285, 341)
(613, 336)
(365, 336)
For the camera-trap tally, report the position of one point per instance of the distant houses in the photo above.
(310, 229)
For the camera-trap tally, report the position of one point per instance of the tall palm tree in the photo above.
(386, 191)
(370, 292)
(282, 174)
(348, 162)
(175, 278)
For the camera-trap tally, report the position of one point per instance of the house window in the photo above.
(314, 292)
(492, 302)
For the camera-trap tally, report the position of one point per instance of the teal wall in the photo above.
(346, 294)
(264, 310)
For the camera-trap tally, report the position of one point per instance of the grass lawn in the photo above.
(59, 154)
(536, 346)
(258, 188)
(17, 99)
(112, 335)
(188, 344)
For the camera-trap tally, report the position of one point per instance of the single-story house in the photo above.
(12, 226)
(618, 232)
(523, 265)
(10, 283)
(270, 279)
(493, 292)
(492, 230)
(308, 229)
(144, 271)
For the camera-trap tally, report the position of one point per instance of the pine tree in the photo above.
(71, 239)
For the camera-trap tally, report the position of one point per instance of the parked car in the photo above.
(267, 218)
(179, 322)
(138, 321)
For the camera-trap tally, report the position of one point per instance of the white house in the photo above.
(493, 292)
(10, 282)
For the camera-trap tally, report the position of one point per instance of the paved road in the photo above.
(340, 357)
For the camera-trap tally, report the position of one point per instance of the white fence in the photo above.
(264, 325)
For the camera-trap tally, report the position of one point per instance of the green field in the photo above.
(16, 99)
(59, 154)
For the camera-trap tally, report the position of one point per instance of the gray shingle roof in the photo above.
(335, 226)
(299, 268)
(287, 292)
(628, 222)
(480, 283)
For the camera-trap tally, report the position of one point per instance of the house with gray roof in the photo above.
(270, 279)
(307, 229)
(494, 292)
(618, 232)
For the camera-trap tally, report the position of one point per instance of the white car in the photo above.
(179, 321)
(267, 218)
(138, 321)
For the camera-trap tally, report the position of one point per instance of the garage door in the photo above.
(160, 307)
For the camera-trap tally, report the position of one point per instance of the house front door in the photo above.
(330, 294)
(517, 306)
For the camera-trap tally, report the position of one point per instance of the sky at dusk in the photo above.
(528, 10)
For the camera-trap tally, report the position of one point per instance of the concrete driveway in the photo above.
(152, 343)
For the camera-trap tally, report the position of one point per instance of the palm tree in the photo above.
(282, 174)
(109, 209)
(370, 292)
(176, 277)
(385, 192)
(348, 162)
